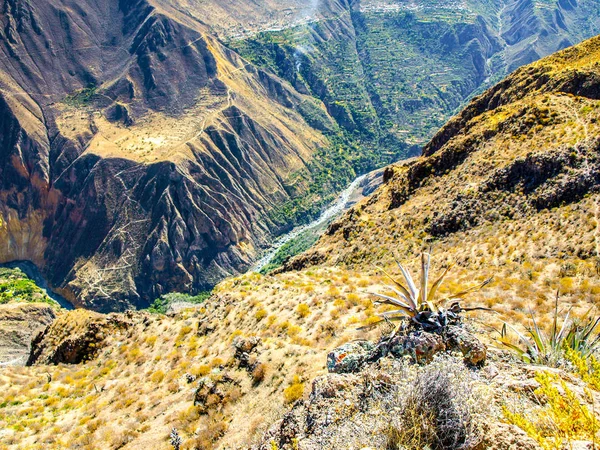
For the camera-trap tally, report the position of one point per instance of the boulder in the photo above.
(473, 350)
(243, 349)
(350, 357)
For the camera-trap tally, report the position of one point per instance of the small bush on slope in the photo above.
(563, 418)
(440, 409)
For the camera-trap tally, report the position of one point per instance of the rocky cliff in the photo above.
(140, 155)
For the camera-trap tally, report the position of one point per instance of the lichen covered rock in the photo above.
(422, 346)
(349, 357)
(472, 349)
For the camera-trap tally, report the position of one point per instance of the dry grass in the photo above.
(136, 390)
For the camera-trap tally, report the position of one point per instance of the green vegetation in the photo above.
(331, 170)
(81, 98)
(292, 248)
(390, 84)
(161, 304)
(15, 286)
(561, 420)
(551, 348)
(390, 78)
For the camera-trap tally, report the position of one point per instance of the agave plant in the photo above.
(580, 336)
(418, 305)
(538, 347)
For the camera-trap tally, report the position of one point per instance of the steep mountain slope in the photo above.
(139, 155)
(508, 188)
(393, 71)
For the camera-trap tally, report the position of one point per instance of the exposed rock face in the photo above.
(349, 358)
(518, 155)
(19, 324)
(75, 337)
(145, 157)
(504, 436)
(474, 351)
(243, 352)
(418, 345)
(213, 391)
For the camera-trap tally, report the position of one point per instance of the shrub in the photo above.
(157, 376)
(588, 367)
(175, 439)
(563, 418)
(438, 412)
(303, 310)
(294, 391)
(259, 372)
(260, 314)
(214, 428)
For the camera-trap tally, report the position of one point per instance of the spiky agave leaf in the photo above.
(549, 348)
(436, 285)
(425, 262)
(414, 293)
(413, 302)
(537, 335)
(393, 301)
(579, 335)
(403, 291)
(399, 313)
(467, 291)
(505, 340)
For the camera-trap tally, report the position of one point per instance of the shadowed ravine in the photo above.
(342, 203)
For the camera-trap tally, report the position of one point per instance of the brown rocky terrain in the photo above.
(510, 193)
(19, 324)
(142, 155)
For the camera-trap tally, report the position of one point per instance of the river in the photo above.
(337, 207)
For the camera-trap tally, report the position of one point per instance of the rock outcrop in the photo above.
(20, 323)
(390, 403)
(75, 337)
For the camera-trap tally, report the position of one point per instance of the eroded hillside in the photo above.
(393, 72)
(508, 188)
(142, 155)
